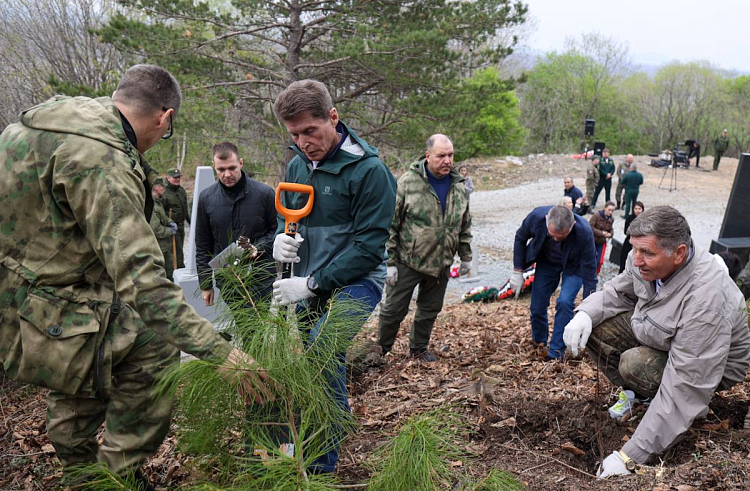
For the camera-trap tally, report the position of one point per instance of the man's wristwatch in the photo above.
(312, 285)
(630, 464)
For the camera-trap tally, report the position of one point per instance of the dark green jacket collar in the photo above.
(342, 158)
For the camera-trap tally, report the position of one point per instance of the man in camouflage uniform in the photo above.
(164, 228)
(85, 307)
(720, 146)
(622, 169)
(176, 205)
(592, 179)
(431, 224)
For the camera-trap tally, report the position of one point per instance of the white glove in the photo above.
(577, 332)
(285, 248)
(291, 290)
(612, 466)
(516, 282)
(391, 275)
(464, 268)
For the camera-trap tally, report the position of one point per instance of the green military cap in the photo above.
(158, 182)
(174, 173)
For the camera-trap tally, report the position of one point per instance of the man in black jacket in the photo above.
(233, 207)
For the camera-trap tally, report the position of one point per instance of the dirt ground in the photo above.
(544, 422)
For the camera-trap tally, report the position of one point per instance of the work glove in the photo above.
(173, 227)
(464, 268)
(252, 381)
(285, 248)
(291, 290)
(516, 282)
(612, 466)
(391, 275)
(577, 332)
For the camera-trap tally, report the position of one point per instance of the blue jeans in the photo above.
(546, 279)
(365, 293)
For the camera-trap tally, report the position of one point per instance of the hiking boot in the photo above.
(623, 406)
(423, 354)
(385, 349)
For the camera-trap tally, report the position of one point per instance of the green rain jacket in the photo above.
(346, 232)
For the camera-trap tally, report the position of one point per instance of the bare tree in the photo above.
(43, 42)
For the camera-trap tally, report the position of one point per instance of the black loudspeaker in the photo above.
(588, 127)
(734, 235)
(599, 148)
(736, 222)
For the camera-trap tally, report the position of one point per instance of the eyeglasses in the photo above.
(169, 133)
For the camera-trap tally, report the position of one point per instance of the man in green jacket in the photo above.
(340, 246)
(606, 170)
(86, 309)
(164, 228)
(431, 224)
(720, 146)
(632, 183)
(176, 205)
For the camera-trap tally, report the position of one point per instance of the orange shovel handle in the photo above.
(294, 216)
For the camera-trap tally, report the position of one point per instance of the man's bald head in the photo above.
(439, 155)
(437, 138)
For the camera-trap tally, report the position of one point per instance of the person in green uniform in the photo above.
(720, 146)
(622, 169)
(164, 228)
(86, 309)
(606, 170)
(176, 205)
(632, 182)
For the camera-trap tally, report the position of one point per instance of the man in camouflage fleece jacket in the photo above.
(431, 224)
(85, 306)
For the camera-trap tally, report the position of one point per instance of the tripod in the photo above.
(673, 177)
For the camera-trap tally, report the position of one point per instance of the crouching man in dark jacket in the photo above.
(562, 245)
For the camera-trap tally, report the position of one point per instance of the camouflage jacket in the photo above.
(721, 144)
(160, 225)
(72, 229)
(592, 174)
(175, 200)
(421, 236)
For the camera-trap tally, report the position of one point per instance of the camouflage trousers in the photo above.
(396, 306)
(168, 260)
(136, 418)
(180, 239)
(590, 188)
(625, 361)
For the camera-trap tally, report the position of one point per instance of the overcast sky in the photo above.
(656, 31)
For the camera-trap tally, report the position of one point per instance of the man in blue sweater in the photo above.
(562, 245)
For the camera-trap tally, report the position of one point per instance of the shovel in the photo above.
(292, 217)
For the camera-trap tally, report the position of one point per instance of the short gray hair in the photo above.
(633, 166)
(666, 224)
(148, 88)
(303, 96)
(561, 218)
(434, 138)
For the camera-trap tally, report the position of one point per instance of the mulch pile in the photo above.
(546, 422)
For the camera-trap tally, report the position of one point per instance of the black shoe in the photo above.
(385, 349)
(423, 354)
(142, 483)
(549, 358)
